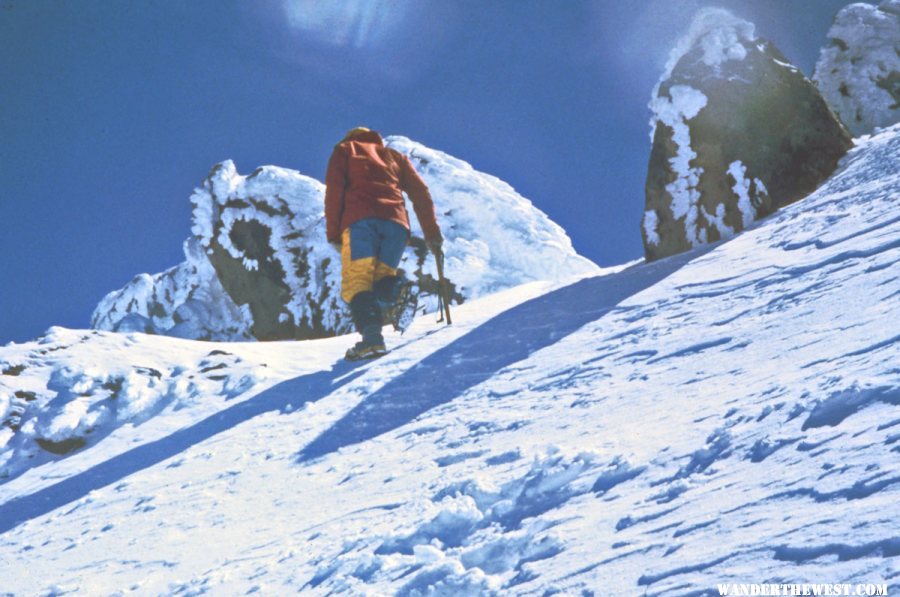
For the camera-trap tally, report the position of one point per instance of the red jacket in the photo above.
(365, 180)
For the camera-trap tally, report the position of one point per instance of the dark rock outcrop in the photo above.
(738, 132)
(264, 236)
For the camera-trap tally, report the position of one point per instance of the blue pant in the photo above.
(371, 249)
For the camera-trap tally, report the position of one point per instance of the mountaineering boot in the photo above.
(363, 350)
(367, 319)
(399, 298)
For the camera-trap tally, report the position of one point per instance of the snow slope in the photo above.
(726, 415)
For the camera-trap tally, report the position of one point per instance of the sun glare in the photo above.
(349, 23)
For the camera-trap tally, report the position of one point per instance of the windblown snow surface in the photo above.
(724, 416)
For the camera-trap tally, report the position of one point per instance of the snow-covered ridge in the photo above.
(185, 301)
(267, 228)
(659, 429)
(495, 238)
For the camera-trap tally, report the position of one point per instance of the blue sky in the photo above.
(112, 112)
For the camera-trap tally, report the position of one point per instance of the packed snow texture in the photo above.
(728, 415)
(494, 239)
(858, 72)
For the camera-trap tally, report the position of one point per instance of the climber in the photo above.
(366, 220)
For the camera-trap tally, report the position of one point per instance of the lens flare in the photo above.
(349, 23)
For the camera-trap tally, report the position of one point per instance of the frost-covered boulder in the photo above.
(859, 70)
(265, 238)
(186, 301)
(737, 132)
(259, 266)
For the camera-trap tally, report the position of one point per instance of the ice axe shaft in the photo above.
(444, 287)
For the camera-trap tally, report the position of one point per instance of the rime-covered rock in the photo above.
(259, 266)
(186, 301)
(859, 70)
(737, 132)
(264, 236)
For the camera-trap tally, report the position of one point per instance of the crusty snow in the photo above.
(728, 415)
(650, 224)
(494, 239)
(860, 66)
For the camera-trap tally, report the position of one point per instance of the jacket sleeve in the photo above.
(413, 185)
(335, 179)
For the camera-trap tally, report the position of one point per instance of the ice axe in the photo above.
(443, 286)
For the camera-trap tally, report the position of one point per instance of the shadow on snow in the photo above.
(307, 388)
(506, 339)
